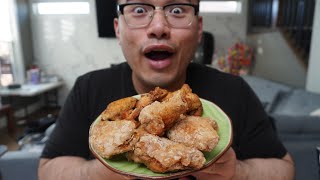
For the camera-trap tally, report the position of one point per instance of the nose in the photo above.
(158, 27)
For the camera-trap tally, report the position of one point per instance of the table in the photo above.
(8, 112)
(30, 90)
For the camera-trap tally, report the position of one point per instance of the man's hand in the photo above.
(223, 168)
(228, 167)
(67, 167)
(102, 172)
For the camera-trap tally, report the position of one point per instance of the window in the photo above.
(6, 55)
(220, 6)
(62, 8)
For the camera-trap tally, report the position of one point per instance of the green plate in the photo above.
(121, 165)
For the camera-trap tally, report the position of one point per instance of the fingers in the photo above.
(223, 168)
(184, 178)
(190, 177)
(102, 172)
(229, 154)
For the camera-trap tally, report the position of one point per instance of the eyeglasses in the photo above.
(178, 15)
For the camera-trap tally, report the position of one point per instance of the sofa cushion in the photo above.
(305, 158)
(297, 127)
(296, 103)
(266, 90)
(17, 165)
(301, 135)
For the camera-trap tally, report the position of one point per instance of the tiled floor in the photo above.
(11, 140)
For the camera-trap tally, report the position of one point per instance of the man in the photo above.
(158, 39)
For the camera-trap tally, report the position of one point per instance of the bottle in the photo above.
(33, 74)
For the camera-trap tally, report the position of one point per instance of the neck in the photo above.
(144, 87)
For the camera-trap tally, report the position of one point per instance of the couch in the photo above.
(23, 163)
(291, 109)
(288, 107)
(301, 136)
(19, 165)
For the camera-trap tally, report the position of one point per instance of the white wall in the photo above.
(313, 78)
(226, 28)
(68, 45)
(275, 60)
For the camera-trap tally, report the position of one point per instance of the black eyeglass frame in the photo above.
(120, 7)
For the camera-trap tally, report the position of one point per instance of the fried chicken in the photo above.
(134, 126)
(120, 109)
(162, 155)
(194, 131)
(110, 138)
(193, 100)
(157, 117)
(185, 89)
(148, 98)
(194, 105)
(145, 100)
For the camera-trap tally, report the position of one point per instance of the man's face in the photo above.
(158, 54)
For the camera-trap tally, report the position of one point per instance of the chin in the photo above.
(163, 82)
(158, 82)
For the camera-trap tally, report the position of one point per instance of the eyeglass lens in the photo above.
(141, 14)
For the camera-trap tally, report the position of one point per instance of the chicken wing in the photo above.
(160, 116)
(162, 155)
(193, 100)
(145, 100)
(194, 131)
(119, 109)
(185, 89)
(150, 97)
(194, 105)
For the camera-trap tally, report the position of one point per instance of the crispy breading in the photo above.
(160, 116)
(150, 97)
(194, 131)
(116, 109)
(145, 100)
(134, 127)
(110, 138)
(184, 89)
(193, 100)
(162, 155)
(194, 104)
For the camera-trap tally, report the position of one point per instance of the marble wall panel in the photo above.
(68, 45)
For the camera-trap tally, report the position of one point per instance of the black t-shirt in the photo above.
(253, 134)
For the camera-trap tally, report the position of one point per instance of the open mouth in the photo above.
(158, 55)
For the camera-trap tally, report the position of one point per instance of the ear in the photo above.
(200, 28)
(116, 28)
